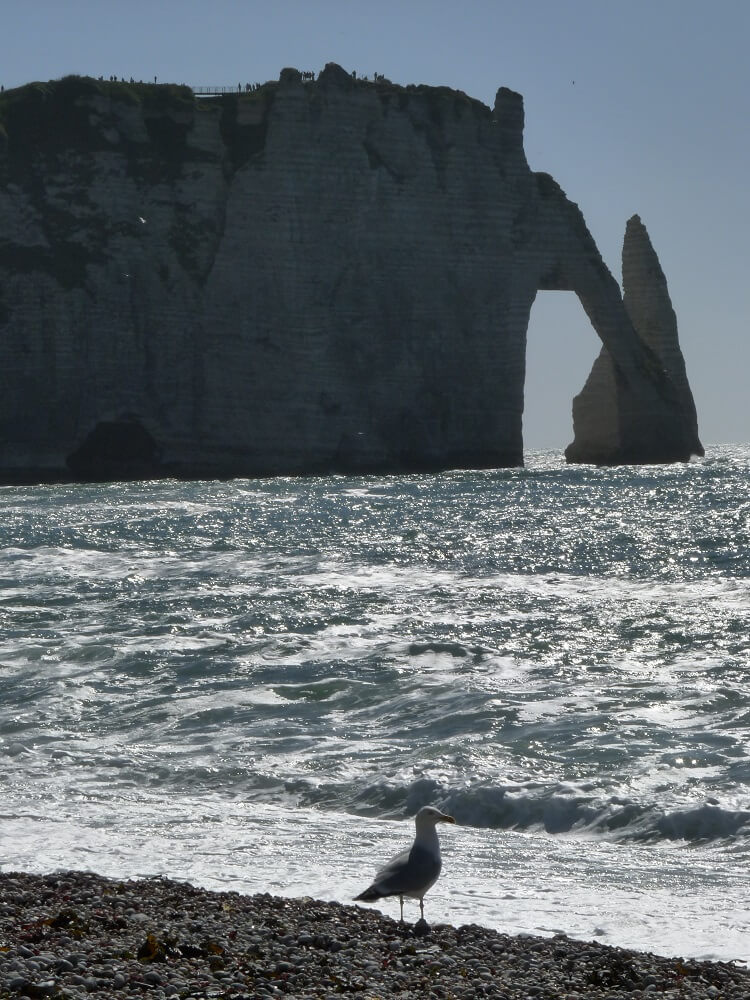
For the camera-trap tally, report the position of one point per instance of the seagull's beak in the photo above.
(447, 819)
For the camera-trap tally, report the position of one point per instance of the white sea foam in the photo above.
(198, 676)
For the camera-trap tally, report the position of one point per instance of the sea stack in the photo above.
(606, 417)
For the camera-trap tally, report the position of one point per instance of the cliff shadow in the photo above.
(116, 450)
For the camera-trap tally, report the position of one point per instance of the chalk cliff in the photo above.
(325, 275)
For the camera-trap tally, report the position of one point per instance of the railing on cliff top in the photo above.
(241, 88)
(217, 91)
(244, 88)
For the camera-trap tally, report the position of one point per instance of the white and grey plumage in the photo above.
(412, 872)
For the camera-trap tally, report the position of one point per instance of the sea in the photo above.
(253, 685)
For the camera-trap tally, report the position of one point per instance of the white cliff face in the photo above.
(318, 276)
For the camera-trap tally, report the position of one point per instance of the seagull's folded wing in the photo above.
(413, 871)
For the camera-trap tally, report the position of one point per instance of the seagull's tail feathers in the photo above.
(370, 895)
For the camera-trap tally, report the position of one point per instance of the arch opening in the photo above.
(561, 347)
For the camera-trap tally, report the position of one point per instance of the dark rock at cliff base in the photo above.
(307, 276)
(116, 450)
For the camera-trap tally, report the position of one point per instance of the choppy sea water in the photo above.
(253, 685)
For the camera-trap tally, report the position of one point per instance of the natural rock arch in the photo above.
(316, 276)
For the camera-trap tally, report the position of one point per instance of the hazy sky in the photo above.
(632, 107)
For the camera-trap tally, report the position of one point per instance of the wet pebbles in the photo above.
(74, 934)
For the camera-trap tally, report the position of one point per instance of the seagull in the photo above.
(412, 872)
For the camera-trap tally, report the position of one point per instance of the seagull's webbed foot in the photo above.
(421, 928)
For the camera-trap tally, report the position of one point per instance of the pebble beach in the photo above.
(74, 934)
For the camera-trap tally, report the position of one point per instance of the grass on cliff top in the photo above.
(38, 97)
(46, 106)
(39, 103)
(72, 86)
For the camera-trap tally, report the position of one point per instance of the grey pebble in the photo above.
(206, 944)
(44, 988)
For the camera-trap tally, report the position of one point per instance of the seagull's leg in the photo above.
(401, 903)
(421, 909)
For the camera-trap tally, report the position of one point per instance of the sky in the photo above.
(638, 107)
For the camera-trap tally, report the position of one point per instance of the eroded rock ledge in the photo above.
(314, 276)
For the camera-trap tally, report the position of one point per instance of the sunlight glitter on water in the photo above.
(198, 675)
